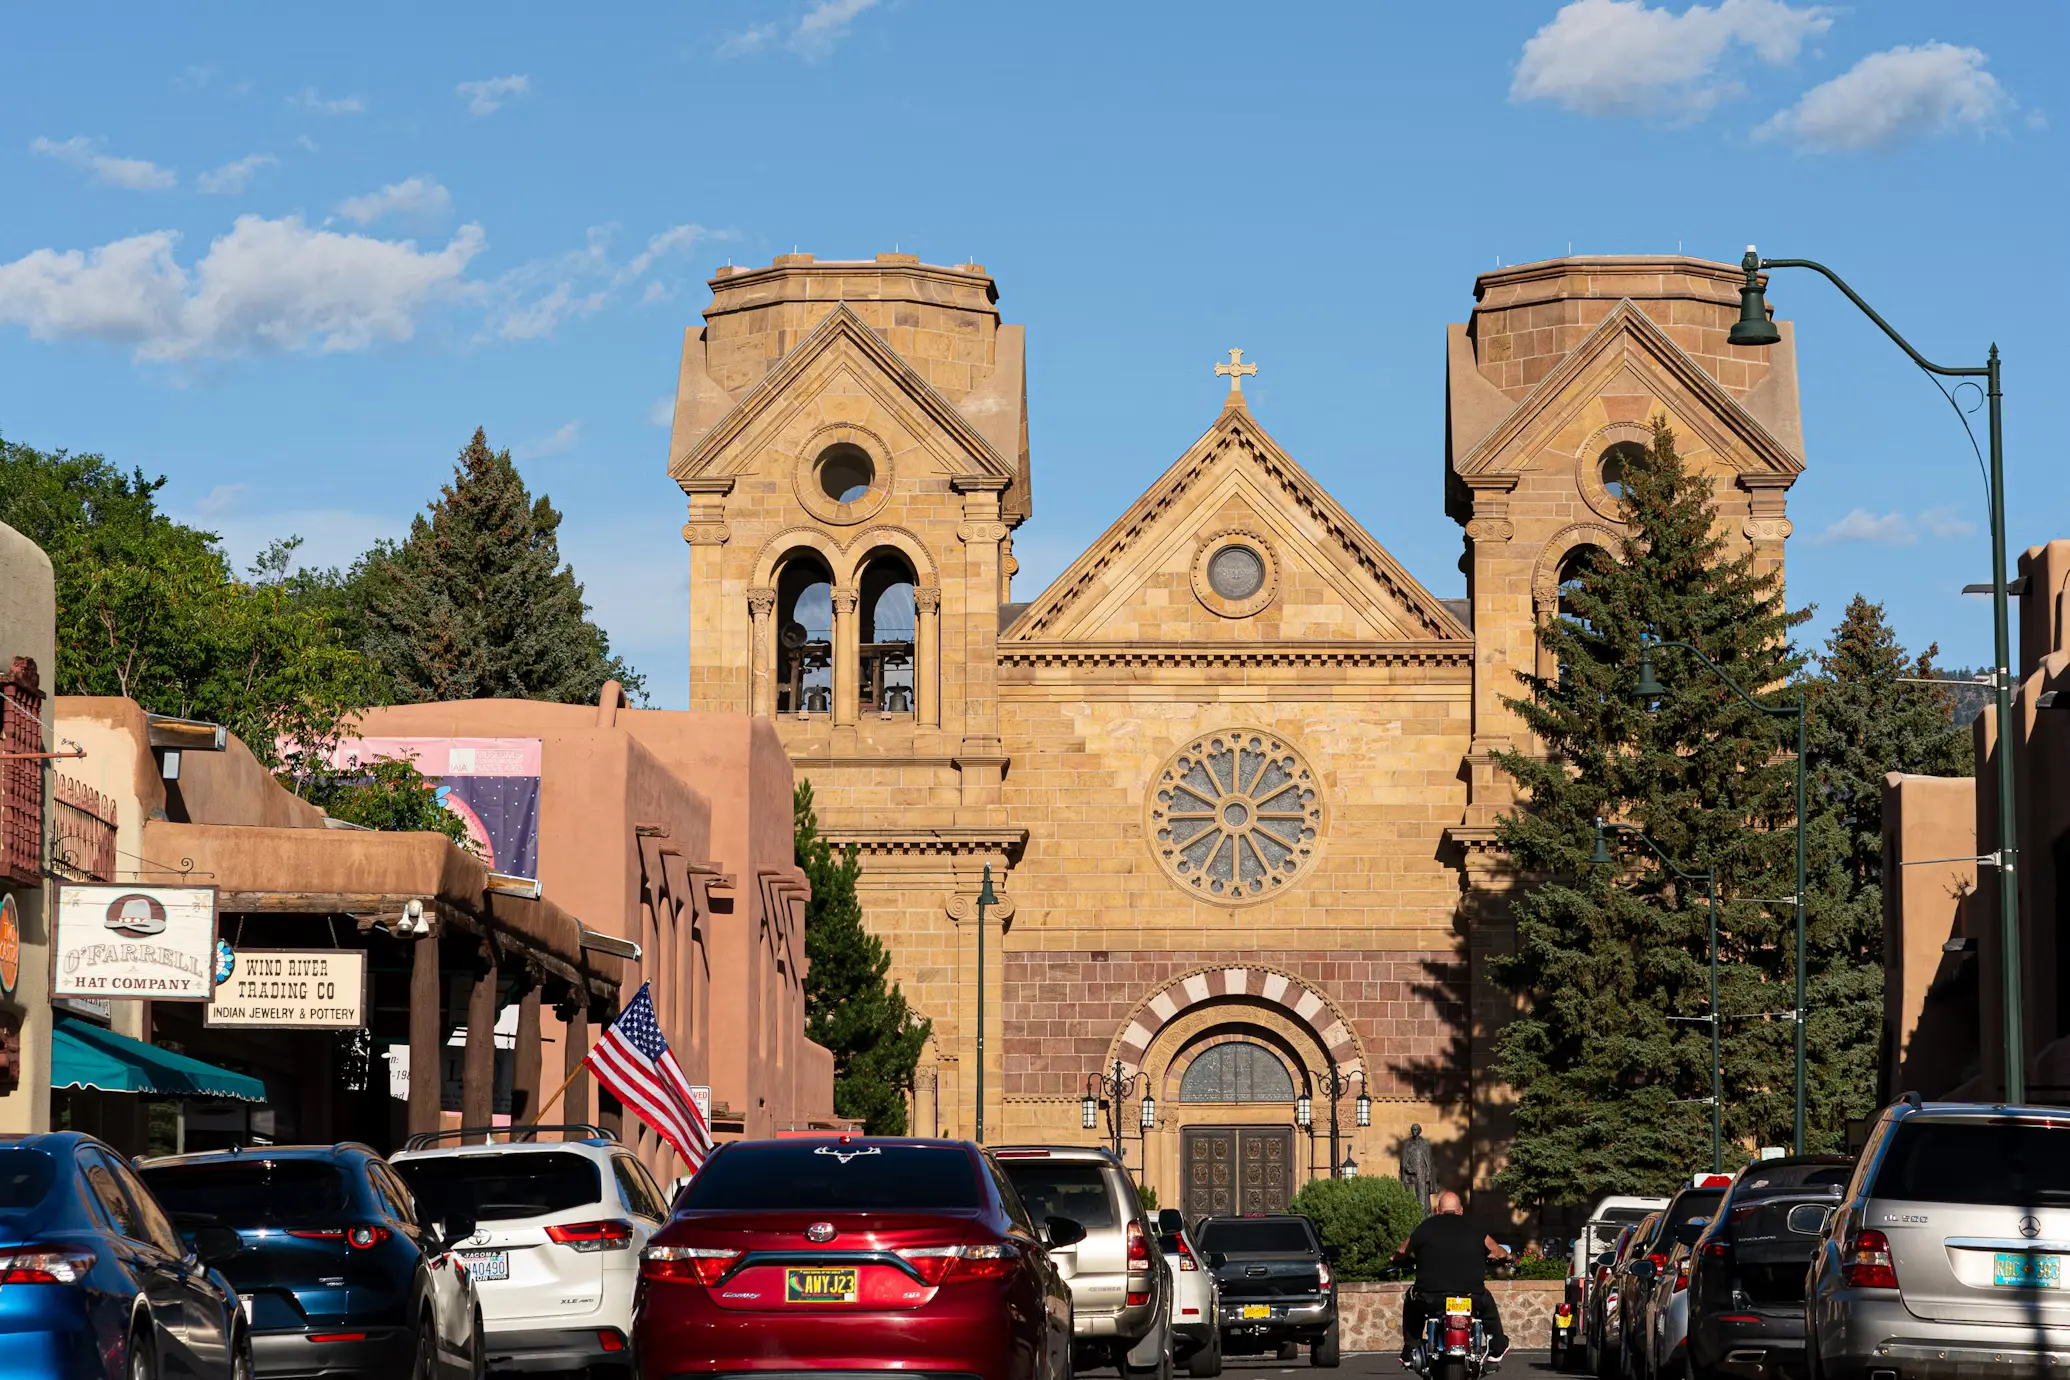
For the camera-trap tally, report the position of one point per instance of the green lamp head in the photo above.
(1649, 686)
(1753, 326)
(985, 896)
(1601, 856)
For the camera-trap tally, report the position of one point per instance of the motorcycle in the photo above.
(1455, 1347)
(1562, 1335)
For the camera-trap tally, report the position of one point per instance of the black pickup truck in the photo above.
(1277, 1286)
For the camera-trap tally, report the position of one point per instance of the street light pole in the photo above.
(985, 898)
(1754, 328)
(1649, 687)
(1110, 1091)
(1334, 1085)
(1710, 881)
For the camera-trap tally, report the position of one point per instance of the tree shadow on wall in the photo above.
(1443, 1074)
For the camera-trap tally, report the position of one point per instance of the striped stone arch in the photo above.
(1295, 997)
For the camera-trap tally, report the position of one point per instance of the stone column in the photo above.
(425, 1030)
(525, 1089)
(847, 654)
(478, 1080)
(980, 760)
(718, 660)
(927, 656)
(762, 641)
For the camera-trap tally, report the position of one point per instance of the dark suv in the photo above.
(1278, 1290)
(1746, 1273)
(336, 1273)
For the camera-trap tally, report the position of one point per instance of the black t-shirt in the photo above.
(1451, 1255)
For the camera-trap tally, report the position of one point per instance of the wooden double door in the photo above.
(1237, 1169)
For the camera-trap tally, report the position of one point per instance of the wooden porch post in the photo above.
(425, 1026)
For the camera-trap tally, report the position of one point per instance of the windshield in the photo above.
(497, 1188)
(1236, 1236)
(1618, 1216)
(25, 1177)
(1691, 1206)
(1076, 1191)
(803, 1177)
(2004, 1163)
(249, 1193)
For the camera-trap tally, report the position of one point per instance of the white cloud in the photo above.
(672, 240)
(1895, 529)
(815, 34)
(539, 296)
(266, 285)
(231, 178)
(542, 315)
(1893, 96)
(563, 439)
(1624, 57)
(198, 76)
(135, 174)
(663, 412)
(487, 97)
(221, 499)
(1946, 523)
(308, 99)
(416, 196)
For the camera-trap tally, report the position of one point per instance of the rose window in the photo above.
(1236, 816)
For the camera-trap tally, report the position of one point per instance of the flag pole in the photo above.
(567, 1083)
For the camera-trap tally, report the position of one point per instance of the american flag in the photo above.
(633, 1062)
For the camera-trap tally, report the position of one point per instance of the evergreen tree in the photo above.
(1866, 722)
(476, 604)
(1610, 1089)
(849, 1007)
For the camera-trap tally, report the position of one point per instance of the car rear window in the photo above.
(25, 1178)
(2004, 1163)
(249, 1192)
(499, 1188)
(1690, 1206)
(1240, 1236)
(1618, 1216)
(1826, 1176)
(800, 1176)
(1076, 1191)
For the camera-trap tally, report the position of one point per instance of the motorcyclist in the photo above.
(1451, 1261)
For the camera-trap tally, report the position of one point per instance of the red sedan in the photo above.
(854, 1254)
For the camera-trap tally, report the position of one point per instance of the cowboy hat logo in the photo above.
(136, 916)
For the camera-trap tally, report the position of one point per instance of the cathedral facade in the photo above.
(1229, 773)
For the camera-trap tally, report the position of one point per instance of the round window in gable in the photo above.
(1235, 573)
(846, 472)
(1613, 464)
(842, 474)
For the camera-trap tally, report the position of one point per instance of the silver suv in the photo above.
(1947, 1255)
(1120, 1285)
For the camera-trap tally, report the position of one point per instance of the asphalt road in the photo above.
(1383, 1365)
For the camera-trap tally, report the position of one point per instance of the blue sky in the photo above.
(292, 259)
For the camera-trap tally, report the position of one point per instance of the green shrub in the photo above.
(1362, 1219)
(1149, 1197)
(1532, 1265)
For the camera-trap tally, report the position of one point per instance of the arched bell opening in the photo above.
(885, 680)
(804, 636)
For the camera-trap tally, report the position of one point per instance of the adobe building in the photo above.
(1231, 771)
(28, 656)
(1944, 955)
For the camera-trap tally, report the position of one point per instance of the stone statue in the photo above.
(1419, 1168)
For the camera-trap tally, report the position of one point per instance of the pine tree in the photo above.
(1610, 1090)
(476, 603)
(1866, 722)
(849, 1007)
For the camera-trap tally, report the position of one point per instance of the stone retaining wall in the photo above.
(1370, 1314)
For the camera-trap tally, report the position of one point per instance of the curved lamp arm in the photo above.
(1603, 826)
(1903, 344)
(1646, 644)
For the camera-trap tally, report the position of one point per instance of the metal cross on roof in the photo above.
(1235, 369)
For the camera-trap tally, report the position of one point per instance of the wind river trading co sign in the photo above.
(155, 942)
(293, 989)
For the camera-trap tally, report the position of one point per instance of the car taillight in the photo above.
(592, 1236)
(1682, 1276)
(1716, 1250)
(1867, 1264)
(1186, 1260)
(359, 1238)
(1138, 1248)
(937, 1264)
(1659, 1261)
(686, 1264)
(337, 1336)
(1322, 1273)
(66, 1265)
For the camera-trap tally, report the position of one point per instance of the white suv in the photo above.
(556, 1250)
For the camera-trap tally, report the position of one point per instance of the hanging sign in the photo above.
(291, 989)
(10, 945)
(155, 942)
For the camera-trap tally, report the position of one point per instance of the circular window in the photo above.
(1236, 817)
(1235, 574)
(1611, 466)
(845, 472)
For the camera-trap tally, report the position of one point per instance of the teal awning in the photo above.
(83, 1055)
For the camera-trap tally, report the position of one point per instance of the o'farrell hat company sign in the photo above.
(305, 989)
(134, 941)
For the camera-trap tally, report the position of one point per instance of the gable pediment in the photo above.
(841, 357)
(1628, 354)
(1146, 580)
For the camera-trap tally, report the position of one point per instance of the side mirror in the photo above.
(1809, 1219)
(456, 1228)
(1330, 1253)
(1170, 1221)
(1643, 1269)
(1687, 1233)
(1062, 1231)
(1216, 1260)
(214, 1245)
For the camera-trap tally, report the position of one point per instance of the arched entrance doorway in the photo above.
(1246, 1166)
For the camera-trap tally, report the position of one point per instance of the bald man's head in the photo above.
(1449, 1202)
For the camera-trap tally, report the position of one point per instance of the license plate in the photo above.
(2020, 1270)
(819, 1286)
(486, 1264)
(1257, 1310)
(1453, 1305)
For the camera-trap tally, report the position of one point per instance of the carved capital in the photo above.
(927, 599)
(845, 599)
(981, 531)
(761, 603)
(1491, 529)
(963, 909)
(1767, 528)
(706, 533)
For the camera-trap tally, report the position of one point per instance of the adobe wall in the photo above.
(28, 628)
(1924, 818)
